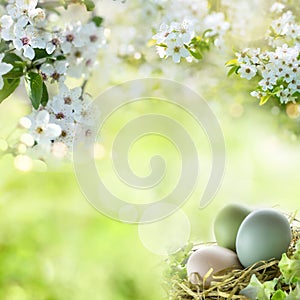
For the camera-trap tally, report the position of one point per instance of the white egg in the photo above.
(210, 257)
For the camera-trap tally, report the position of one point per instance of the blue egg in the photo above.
(263, 235)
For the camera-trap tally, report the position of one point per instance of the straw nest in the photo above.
(228, 283)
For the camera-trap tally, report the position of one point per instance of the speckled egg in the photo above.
(227, 223)
(263, 235)
(207, 257)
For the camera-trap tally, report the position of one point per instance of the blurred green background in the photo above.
(55, 245)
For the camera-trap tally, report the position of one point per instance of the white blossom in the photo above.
(67, 104)
(175, 38)
(247, 71)
(27, 39)
(6, 23)
(277, 7)
(54, 71)
(72, 38)
(42, 130)
(191, 20)
(176, 49)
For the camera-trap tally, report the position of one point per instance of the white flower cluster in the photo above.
(55, 124)
(174, 39)
(70, 51)
(284, 29)
(279, 71)
(185, 20)
(279, 68)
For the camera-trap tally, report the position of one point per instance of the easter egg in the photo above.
(227, 223)
(263, 235)
(210, 257)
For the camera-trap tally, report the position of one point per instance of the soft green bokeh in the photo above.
(54, 245)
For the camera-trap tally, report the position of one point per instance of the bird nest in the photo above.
(226, 284)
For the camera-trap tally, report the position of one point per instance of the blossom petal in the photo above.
(184, 52)
(22, 21)
(50, 48)
(5, 68)
(18, 44)
(42, 118)
(53, 131)
(176, 58)
(29, 52)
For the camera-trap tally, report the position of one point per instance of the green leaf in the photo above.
(296, 94)
(280, 81)
(45, 95)
(205, 32)
(161, 45)
(257, 290)
(295, 294)
(264, 99)
(3, 46)
(232, 70)
(196, 54)
(9, 87)
(232, 62)
(98, 21)
(253, 288)
(198, 46)
(60, 57)
(15, 72)
(40, 53)
(195, 40)
(34, 86)
(89, 4)
(290, 269)
(276, 90)
(279, 295)
(11, 58)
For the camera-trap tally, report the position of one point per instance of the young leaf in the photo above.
(3, 46)
(232, 62)
(34, 86)
(89, 4)
(295, 294)
(98, 21)
(253, 288)
(280, 81)
(60, 57)
(279, 295)
(9, 87)
(196, 54)
(11, 58)
(45, 95)
(205, 32)
(296, 94)
(15, 72)
(40, 53)
(276, 90)
(232, 70)
(264, 99)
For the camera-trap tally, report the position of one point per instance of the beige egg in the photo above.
(210, 257)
